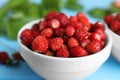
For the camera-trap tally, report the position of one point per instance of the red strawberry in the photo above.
(72, 42)
(35, 27)
(59, 32)
(55, 43)
(95, 36)
(102, 43)
(84, 42)
(118, 32)
(115, 25)
(78, 52)
(40, 44)
(4, 57)
(118, 17)
(62, 53)
(50, 15)
(69, 30)
(82, 18)
(27, 37)
(109, 18)
(93, 46)
(81, 34)
(47, 32)
(99, 25)
(101, 33)
(35, 33)
(63, 19)
(42, 25)
(73, 19)
(53, 23)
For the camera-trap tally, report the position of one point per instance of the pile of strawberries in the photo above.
(113, 22)
(60, 36)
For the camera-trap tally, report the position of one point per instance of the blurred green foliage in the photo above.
(14, 14)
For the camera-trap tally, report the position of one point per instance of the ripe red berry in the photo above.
(84, 42)
(47, 32)
(118, 17)
(81, 34)
(73, 19)
(53, 23)
(72, 42)
(69, 30)
(115, 25)
(93, 46)
(99, 25)
(76, 24)
(4, 57)
(55, 43)
(78, 52)
(50, 15)
(109, 18)
(62, 53)
(118, 32)
(42, 25)
(59, 32)
(40, 44)
(27, 37)
(35, 27)
(95, 36)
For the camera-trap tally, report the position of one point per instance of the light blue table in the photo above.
(110, 70)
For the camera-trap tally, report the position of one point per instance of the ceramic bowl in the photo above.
(55, 68)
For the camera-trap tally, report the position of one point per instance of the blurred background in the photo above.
(14, 14)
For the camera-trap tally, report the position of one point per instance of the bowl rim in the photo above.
(109, 43)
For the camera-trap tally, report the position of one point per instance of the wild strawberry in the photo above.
(62, 53)
(102, 44)
(93, 47)
(17, 56)
(50, 15)
(101, 33)
(99, 25)
(63, 19)
(95, 36)
(72, 42)
(4, 57)
(35, 27)
(81, 34)
(65, 38)
(42, 25)
(59, 32)
(27, 37)
(118, 17)
(109, 18)
(47, 32)
(53, 23)
(84, 42)
(40, 44)
(118, 32)
(69, 30)
(115, 25)
(73, 19)
(35, 33)
(55, 43)
(78, 52)
(82, 18)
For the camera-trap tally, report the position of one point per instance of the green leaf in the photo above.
(98, 12)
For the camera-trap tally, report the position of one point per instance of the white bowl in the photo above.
(116, 44)
(55, 68)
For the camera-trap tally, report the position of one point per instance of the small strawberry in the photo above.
(84, 42)
(118, 17)
(59, 32)
(47, 32)
(115, 25)
(26, 37)
(35, 34)
(72, 42)
(95, 36)
(53, 23)
(109, 18)
(102, 43)
(62, 53)
(35, 27)
(73, 19)
(99, 25)
(78, 52)
(42, 25)
(55, 43)
(4, 57)
(63, 19)
(93, 46)
(50, 15)
(69, 30)
(17, 56)
(81, 34)
(40, 44)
